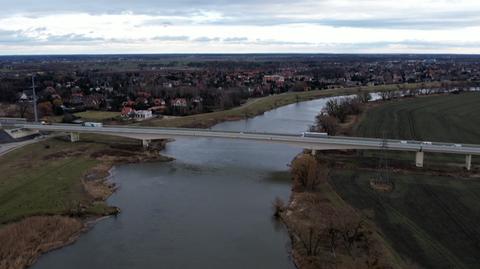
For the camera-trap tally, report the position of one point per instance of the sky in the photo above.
(248, 26)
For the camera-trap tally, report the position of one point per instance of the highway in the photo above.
(314, 143)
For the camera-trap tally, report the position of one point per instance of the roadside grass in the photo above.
(91, 115)
(260, 105)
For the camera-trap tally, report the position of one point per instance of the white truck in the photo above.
(93, 124)
(313, 134)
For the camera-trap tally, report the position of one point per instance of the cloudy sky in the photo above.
(215, 26)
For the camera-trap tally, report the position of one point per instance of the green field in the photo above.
(445, 118)
(45, 178)
(432, 221)
(429, 219)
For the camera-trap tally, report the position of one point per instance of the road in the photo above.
(9, 147)
(6, 148)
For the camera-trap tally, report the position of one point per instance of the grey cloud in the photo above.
(247, 12)
(206, 39)
(235, 39)
(171, 38)
(14, 37)
(72, 38)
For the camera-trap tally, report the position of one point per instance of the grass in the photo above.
(45, 178)
(432, 221)
(260, 105)
(33, 183)
(97, 115)
(445, 118)
(429, 219)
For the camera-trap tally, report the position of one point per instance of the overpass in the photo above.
(146, 134)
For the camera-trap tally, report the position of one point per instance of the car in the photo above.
(403, 142)
(427, 143)
(457, 145)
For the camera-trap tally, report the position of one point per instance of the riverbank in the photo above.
(52, 189)
(325, 231)
(261, 105)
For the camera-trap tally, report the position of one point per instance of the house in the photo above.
(277, 79)
(26, 96)
(197, 100)
(76, 99)
(159, 106)
(142, 114)
(127, 112)
(159, 102)
(129, 103)
(178, 102)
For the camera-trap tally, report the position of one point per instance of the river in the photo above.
(210, 208)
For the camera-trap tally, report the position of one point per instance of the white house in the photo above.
(142, 114)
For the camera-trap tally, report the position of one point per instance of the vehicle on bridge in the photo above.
(93, 124)
(314, 134)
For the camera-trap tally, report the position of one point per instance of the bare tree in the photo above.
(305, 173)
(327, 123)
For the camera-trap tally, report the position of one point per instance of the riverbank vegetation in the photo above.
(63, 181)
(325, 231)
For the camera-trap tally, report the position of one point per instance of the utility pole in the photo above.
(34, 99)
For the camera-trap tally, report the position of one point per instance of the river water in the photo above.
(210, 208)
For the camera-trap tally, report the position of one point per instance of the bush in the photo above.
(305, 173)
(341, 108)
(327, 124)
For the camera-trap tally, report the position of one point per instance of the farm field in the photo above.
(445, 118)
(429, 219)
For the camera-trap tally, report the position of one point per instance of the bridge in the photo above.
(147, 134)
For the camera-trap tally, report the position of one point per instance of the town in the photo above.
(142, 87)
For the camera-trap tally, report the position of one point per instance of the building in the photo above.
(273, 78)
(142, 114)
(127, 112)
(178, 102)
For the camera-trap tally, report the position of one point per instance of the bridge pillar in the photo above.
(468, 162)
(146, 143)
(74, 137)
(419, 159)
(314, 152)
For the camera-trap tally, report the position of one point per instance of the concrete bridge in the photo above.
(147, 134)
